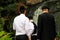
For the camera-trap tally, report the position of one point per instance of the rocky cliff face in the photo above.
(33, 1)
(36, 1)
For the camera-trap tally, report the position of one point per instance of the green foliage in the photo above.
(22, 1)
(1, 8)
(5, 36)
(7, 12)
(1, 23)
(8, 9)
(2, 33)
(58, 34)
(11, 6)
(6, 2)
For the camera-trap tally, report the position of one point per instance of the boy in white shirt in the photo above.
(34, 34)
(22, 26)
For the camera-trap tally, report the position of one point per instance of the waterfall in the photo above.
(38, 12)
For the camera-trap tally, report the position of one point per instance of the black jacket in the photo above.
(46, 27)
(35, 28)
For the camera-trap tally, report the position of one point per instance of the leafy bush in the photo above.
(2, 33)
(58, 34)
(5, 36)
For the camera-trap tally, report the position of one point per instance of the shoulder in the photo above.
(31, 24)
(26, 18)
(51, 15)
(16, 17)
(41, 15)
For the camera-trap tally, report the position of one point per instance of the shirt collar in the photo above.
(22, 14)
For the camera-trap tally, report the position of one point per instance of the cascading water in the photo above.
(38, 12)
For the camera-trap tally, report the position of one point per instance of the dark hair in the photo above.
(22, 9)
(45, 7)
(30, 17)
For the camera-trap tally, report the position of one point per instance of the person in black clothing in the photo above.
(34, 34)
(46, 25)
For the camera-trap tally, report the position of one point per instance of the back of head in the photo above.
(30, 17)
(45, 7)
(22, 9)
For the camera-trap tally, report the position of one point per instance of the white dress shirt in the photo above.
(33, 24)
(22, 25)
